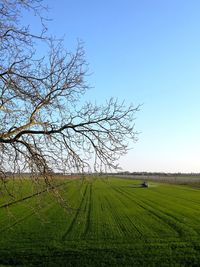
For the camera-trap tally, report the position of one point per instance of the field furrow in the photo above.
(103, 222)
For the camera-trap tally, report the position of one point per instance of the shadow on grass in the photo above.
(138, 256)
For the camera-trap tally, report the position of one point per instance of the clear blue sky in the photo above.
(146, 52)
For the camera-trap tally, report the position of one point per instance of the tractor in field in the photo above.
(145, 184)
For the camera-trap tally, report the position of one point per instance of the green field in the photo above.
(106, 222)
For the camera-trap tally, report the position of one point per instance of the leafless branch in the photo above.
(44, 128)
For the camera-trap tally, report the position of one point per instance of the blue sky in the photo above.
(144, 52)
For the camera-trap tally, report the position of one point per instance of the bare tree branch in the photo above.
(44, 128)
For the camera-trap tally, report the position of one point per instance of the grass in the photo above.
(108, 222)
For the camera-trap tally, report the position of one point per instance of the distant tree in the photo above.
(43, 127)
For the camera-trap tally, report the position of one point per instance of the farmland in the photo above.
(105, 222)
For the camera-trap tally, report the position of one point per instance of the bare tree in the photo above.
(43, 127)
